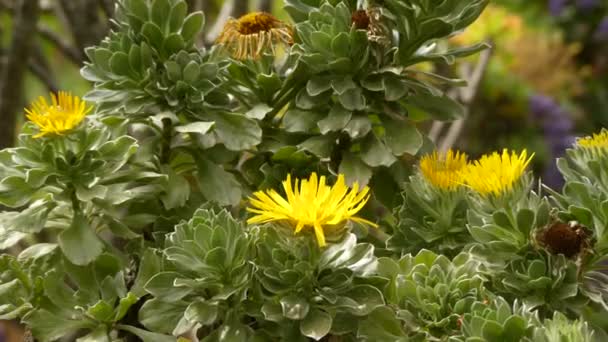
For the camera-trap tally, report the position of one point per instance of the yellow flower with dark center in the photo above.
(313, 204)
(443, 170)
(597, 140)
(63, 114)
(495, 173)
(252, 34)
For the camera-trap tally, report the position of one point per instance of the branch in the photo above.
(231, 8)
(82, 19)
(70, 52)
(13, 73)
(39, 66)
(467, 96)
(108, 7)
(264, 6)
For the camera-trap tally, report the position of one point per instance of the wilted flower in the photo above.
(495, 173)
(250, 35)
(443, 170)
(313, 204)
(63, 114)
(569, 239)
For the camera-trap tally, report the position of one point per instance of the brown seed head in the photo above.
(564, 238)
(360, 19)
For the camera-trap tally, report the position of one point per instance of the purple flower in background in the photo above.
(557, 130)
(587, 5)
(601, 33)
(556, 7)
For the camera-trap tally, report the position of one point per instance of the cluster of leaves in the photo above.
(119, 249)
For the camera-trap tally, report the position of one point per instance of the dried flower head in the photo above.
(312, 204)
(360, 19)
(444, 170)
(252, 34)
(569, 239)
(63, 114)
(497, 172)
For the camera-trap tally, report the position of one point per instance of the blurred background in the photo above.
(543, 82)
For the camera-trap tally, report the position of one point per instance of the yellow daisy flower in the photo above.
(63, 114)
(597, 140)
(495, 173)
(313, 204)
(443, 170)
(251, 34)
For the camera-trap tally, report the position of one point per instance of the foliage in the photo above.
(131, 224)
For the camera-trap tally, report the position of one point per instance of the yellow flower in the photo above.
(251, 34)
(313, 204)
(443, 170)
(495, 173)
(597, 140)
(64, 113)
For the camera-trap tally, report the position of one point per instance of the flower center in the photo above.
(256, 22)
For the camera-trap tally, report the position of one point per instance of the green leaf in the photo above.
(402, 137)
(15, 192)
(148, 267)
(352, 99)
(296, 120)
(375, 153)
(49, 326)
(337, 119)
(259, 111)
(36, 251)
(294, 307)
(159, 11)
(354, 169)
(30, 220)
(153, 35)
(340, 44)
(363, 299)
(101, 311)
(204, 313)
(178, 13)
(192, 71)
(320, 146)
(119, 149)
(192, 25)
(394, 88)
(174, 71)
(79, 243)
(162, 287)
(237, 132)
(199, 127)
(119, 64)
(177, 190)
(216, 184)
(439, 107)
(358, 127)
(317, 85)
(316, 324)
(146, 336)
(173, 44)
(342, 84)
(382, 325)
(160, 316)
(124, 305)
(98, 335)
